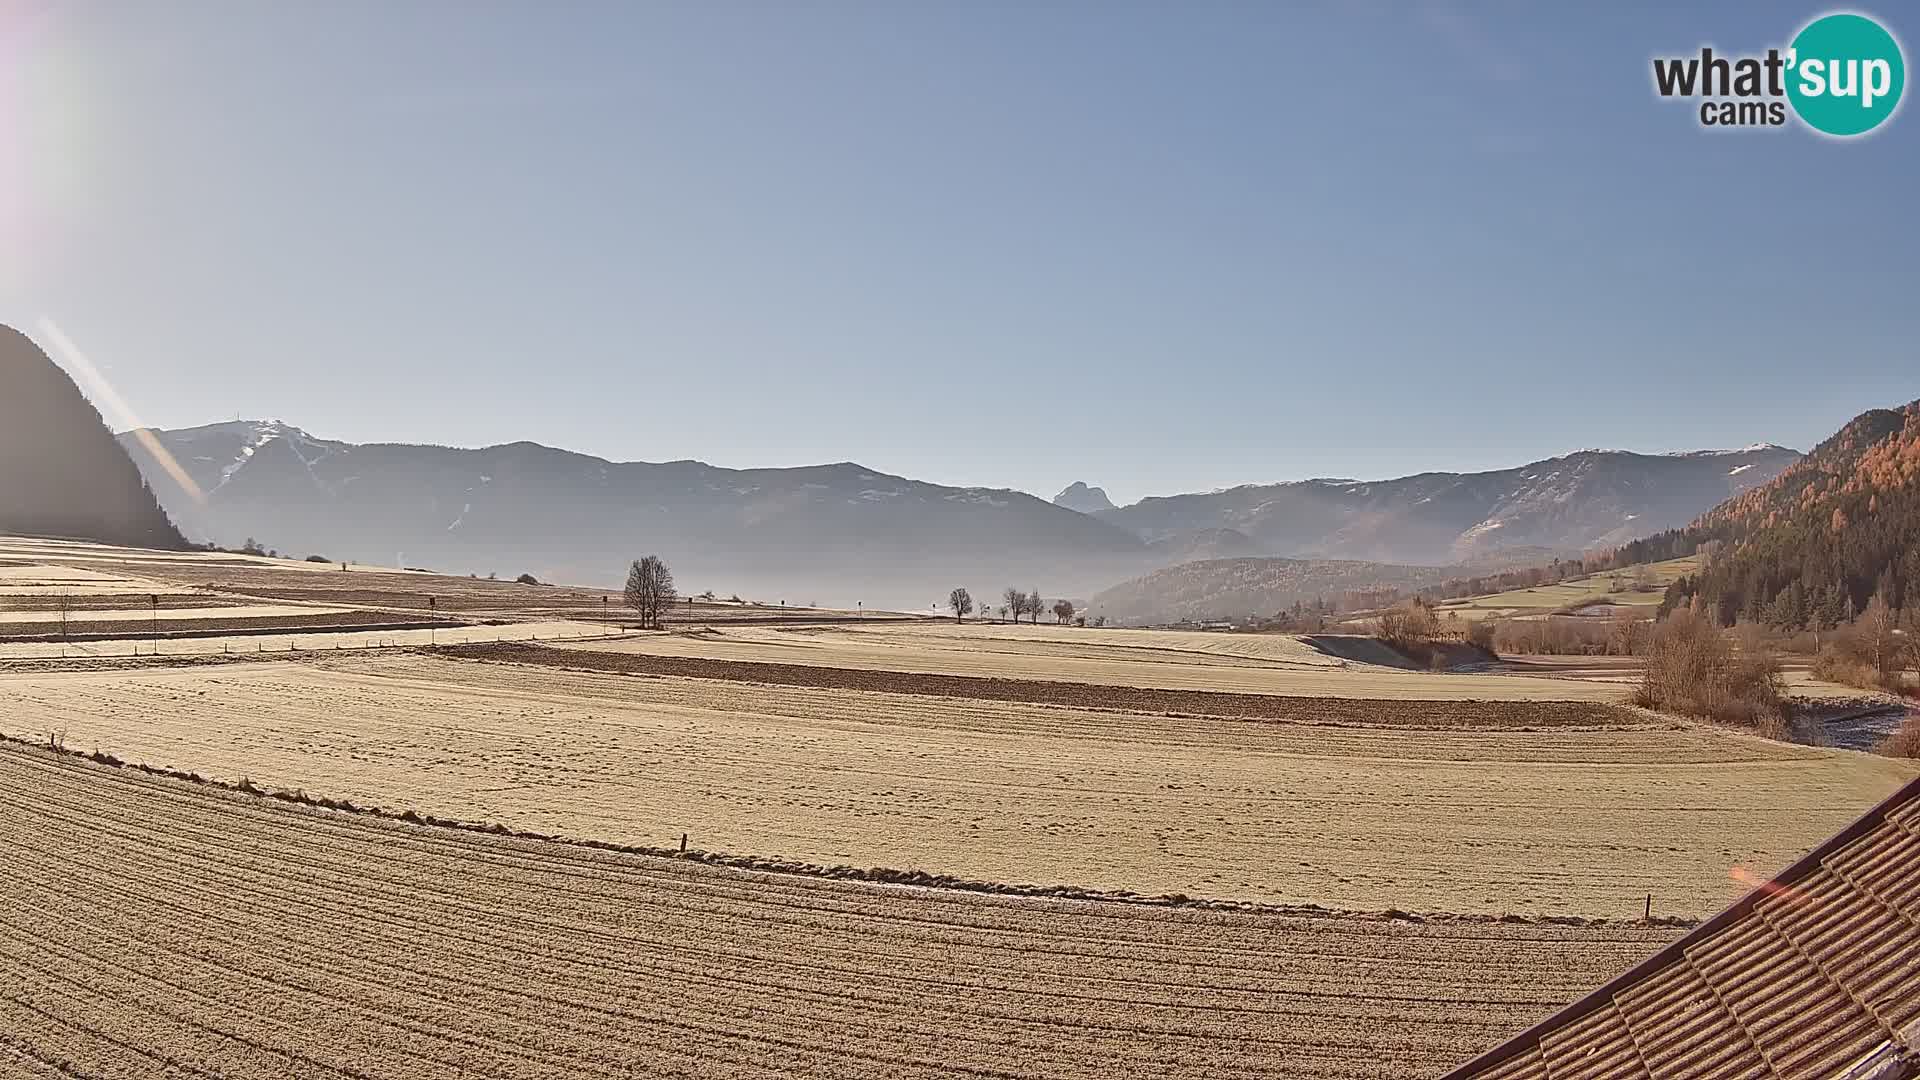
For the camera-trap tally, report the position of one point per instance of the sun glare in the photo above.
(120, 413)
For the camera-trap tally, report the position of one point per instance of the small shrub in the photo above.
(1480, 633)
(527, 579)
(1835, 664)
(1872, 654)
(1905, 740)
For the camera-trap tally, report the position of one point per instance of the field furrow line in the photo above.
(546, 929)
(853, 1018)
(74, 1023)
(153, 987)
(845, 1022)
(1327, 925)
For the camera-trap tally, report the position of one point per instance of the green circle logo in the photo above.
(1845, 74)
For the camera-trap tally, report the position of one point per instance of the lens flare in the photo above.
(1785, 894)
(122, 414)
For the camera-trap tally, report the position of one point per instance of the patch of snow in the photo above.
(1756, 448)
(977, 496)
(258, 436)
(1738, 469)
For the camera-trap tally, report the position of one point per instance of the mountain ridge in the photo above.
(1087, 500)
(1583, 500)
(853, 533)
(1818, 542)
(840, 531)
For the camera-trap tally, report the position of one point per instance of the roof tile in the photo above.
(1595, 1047)
(1684, 1032)
(1800, 980)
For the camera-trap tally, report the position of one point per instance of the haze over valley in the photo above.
(845, 534)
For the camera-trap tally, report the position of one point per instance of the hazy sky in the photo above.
(1156, 247)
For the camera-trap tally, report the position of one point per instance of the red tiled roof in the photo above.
(1814, 975)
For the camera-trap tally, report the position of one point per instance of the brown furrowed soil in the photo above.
(133, 625)
(1327, 710)
(1275, 664)
(153, 927)
(1389, 812)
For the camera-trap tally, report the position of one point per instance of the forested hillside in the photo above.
(61, 472)
(1813, 546)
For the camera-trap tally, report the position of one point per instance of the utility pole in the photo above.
(433, 632)
(154, 599)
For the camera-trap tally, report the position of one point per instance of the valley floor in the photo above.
(153, 925)
(1538, 808)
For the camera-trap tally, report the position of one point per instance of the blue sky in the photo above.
(1156, 247)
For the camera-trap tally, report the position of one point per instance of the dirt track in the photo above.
(148, 923)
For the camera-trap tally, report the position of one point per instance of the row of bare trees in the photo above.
(1018, 603)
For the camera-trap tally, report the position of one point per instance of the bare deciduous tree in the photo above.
(1016, 602)
(1879, 630)
(961, 602)
(1062, 611)
(1035, 605)
(649, 589)
(1413, 623)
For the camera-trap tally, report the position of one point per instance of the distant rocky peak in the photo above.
(1086, 500)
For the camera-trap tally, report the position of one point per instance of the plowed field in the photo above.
(1171, 660)
(150, 927)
